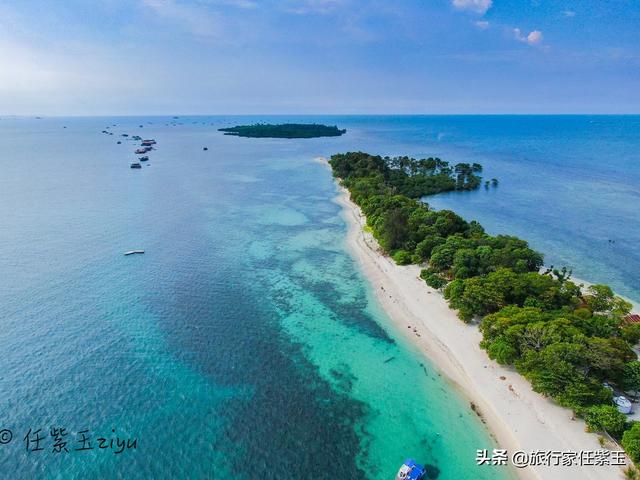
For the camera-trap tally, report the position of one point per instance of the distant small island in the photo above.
(284, 130)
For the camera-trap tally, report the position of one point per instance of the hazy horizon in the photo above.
(327, 114)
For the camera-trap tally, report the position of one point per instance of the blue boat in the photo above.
(410, 470)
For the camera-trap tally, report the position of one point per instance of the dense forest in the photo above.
(572, 345)
(285, 130)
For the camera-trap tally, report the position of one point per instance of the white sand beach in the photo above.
(519, 418)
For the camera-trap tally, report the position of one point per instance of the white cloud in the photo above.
(482, 24)
(533, 38)
(477, 6)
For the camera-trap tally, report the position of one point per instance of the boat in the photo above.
(136, 165)
(410, 470)
(624, 404)
(143, 159)
(133, 252)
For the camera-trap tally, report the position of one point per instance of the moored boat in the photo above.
(144, 159)
(410, 470)
(136, 165)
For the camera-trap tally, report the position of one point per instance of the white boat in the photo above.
(623, 404)
(133, 252)
(410, 470)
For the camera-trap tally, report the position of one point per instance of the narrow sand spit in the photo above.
(519, 418)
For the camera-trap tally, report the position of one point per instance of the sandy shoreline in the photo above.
(519, 418)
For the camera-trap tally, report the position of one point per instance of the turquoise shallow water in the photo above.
(243, 344)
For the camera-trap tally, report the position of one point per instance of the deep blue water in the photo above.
(568, 184)
(245, 339)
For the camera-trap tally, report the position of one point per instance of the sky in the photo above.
(133, 57)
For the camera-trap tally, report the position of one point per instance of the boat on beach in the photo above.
(410, 470)
(133, 252)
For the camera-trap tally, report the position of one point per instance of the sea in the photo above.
(245, 342)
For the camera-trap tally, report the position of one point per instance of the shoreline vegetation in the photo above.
(284, 130)
(566, 344)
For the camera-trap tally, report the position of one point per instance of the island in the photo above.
(567, 342)
(283, 130)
